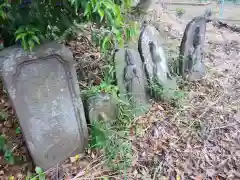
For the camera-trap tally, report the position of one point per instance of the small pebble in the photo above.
(19, 175)
(1, 172)
(8, 124)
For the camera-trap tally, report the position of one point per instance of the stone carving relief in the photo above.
(131, 78)
(191, 50)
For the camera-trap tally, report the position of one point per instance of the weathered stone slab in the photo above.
(131, 79)
(44, 90)
(102, 107)
(153, 56)
(191, 50)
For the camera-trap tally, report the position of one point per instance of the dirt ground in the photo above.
(200, 140)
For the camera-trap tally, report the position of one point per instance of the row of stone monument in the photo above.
(44, 91)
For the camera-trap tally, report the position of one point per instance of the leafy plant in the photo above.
(174, 96)
(8, 156)
(112, 136)
(3, 115)
(39, 175)
(180, 12)
(18, 130)
(28, 36)
(116, 148)
(4, 7)
(103, 87)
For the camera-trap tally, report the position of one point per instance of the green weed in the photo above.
(116, 147)
(160, 93)
(28, 36)
(18, 130)
(104, 87)
(3, 115)
(39, 175)
(112, 136)
(8, 156)
(180, 12)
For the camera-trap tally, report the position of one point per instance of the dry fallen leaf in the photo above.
(199, 177)
(160, 108)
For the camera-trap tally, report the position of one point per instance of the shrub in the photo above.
(31, 22)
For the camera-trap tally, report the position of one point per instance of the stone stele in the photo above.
(131, 79)
(191, 64)
(43, 88)
(153, 56)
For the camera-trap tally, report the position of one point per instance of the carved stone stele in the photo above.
(43, 88)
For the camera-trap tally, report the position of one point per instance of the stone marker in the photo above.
(153, 56)
(191, 50)
(43, 88)
(131, 79)
(102, 107)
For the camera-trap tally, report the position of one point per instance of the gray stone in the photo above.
(191, 50)
(142, 5)
(43, 88)
(131, 79)
(135, 3)
(102, 107)
(153, 56)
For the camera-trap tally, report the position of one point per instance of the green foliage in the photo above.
(31, 22)
(39, 175)
(125, 114)
(4, 6)
(180, 12)
(8, 156)
(3, 115)
(103, 87)
(112, 136)
(18, 130)
(28, 36)
(116, 148)
(173, 96)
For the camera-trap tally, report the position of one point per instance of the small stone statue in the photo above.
(131, 79)
(160, 65)
(191, 64)
(102, 107)
(130, 72)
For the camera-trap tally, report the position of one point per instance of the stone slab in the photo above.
(131, 79)
(191, 49)
(153, 56)
(43, 88)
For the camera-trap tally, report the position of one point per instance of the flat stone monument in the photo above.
(131, 79)
(153, 57)
(43, 88)
(191, 50)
